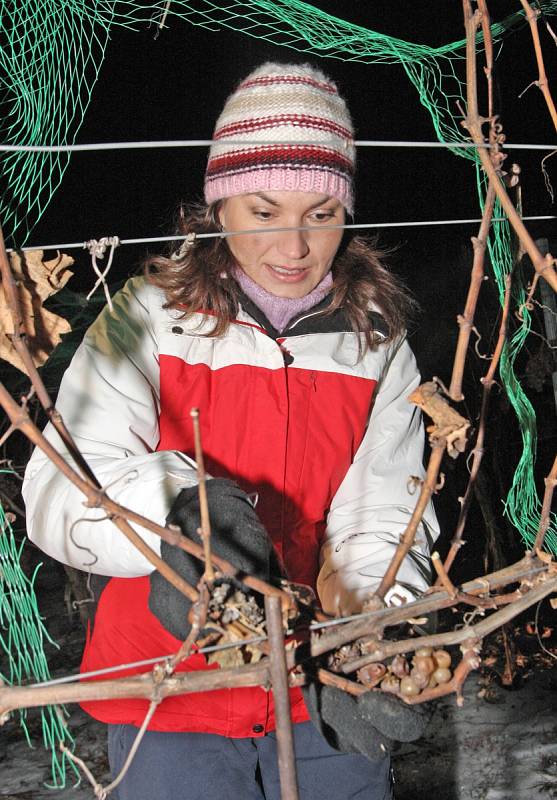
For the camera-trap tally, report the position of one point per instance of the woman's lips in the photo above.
(288, 274)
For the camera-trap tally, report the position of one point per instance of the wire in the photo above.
(210, 649)
(146, 662)
(225, 234)
(98, 146)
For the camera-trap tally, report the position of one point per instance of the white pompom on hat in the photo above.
(285, 128)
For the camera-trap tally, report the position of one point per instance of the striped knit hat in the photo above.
(299, 111)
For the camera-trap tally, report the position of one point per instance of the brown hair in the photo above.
(199, 277)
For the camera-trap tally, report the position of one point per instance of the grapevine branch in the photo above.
(542, 83)
(205, 529)
(537, 577)
(544, 265)
(478, 449)
(466, 320)
(550, 483)
(407, 539)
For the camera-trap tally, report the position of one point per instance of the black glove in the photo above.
(368, 724)
(236, 535)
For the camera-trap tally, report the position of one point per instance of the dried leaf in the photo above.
(449, 427)
(235, 656)
(36, 280)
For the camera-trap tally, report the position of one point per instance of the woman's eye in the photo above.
(322, 216)
(262, 215)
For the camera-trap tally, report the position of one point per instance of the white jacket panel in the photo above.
(374, 503)
(109, 400)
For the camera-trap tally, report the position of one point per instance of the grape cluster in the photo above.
(428, 669)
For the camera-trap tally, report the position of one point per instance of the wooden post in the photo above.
(279, 680)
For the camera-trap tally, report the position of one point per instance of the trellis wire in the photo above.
(181, 143)
(54, 51)
(227, 234)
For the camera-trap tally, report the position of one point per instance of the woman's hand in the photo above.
(236, 535)
(368, 724)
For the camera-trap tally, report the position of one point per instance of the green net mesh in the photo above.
(522, 505)
(53, 53)
(22, 637)
(51, 59)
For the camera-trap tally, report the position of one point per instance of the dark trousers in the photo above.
(203, 766)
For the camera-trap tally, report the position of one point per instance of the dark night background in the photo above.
(174, 86)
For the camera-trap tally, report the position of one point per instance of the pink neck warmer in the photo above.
(280, 310)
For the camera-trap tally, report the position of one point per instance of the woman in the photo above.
(290, 339)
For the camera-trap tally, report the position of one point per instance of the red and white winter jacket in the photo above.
(325, 438)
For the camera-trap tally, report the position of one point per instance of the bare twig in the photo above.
(7, 501)
(407, 539)
(160, 674)
(136, 686)
(88, 484)
(82, 766)
(18, 341)
(121, 516)
(542, 83)
(96, 497)
(198, 616)
(509, 672)
(386, 649)
(209, 575)
(329, 639)
(544, 265)
(444, 579)
(546, 178)
(6, 435)
(545, 517)
(102, 792)
(478, 449)
(338, 682)
(466, 320)
(530, 570)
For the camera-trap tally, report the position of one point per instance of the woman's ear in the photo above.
(220, 214)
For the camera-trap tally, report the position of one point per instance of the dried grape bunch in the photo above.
(427, 669)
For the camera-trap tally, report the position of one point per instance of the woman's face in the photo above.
(286, 263)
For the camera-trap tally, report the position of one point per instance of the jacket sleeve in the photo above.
(376, 498)
(109, 400)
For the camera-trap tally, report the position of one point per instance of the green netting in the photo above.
(522, 504)
(49, 64)
(54, 51)
(22, 637)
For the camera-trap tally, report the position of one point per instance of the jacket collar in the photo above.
(315, 320)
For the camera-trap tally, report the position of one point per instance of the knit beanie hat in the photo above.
(307, 132)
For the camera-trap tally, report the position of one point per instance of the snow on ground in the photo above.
(501, 745)
(505, 749)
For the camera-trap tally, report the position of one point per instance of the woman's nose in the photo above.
(293, 244)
